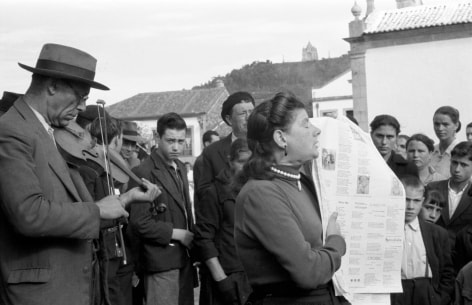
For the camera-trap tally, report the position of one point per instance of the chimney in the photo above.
(219, 83)
(408, 3)
(370, 7)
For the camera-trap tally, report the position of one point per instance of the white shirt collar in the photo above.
(41, 118)
(448, 149)
(415, 224)
(458, 192)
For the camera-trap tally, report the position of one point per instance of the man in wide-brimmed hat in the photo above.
(47, 216)
(130, 140)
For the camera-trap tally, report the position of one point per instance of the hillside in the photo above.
(263, 79)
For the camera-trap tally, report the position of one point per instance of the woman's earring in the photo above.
(285, 150)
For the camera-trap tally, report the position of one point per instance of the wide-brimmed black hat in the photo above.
(60, 61)
(130, 131)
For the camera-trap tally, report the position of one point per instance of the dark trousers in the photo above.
(119, 283)
(418, 291)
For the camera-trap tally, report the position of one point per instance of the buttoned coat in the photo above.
(45, 228)
(462, 215)
(153, 228)
(438, 252)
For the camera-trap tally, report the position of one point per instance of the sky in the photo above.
(154, 46)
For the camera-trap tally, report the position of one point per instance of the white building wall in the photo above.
(411, 81)
(339, 107)
(341, 86)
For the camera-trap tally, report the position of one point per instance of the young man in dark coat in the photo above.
(384, 130)
(427, 272)
(116, 269)
(457, 212)
(164, 227)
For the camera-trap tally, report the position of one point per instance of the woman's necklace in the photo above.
(288, 175)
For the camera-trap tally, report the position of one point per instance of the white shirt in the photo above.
(454, 198)
(414, 260)
(43, 122)
(442, 162)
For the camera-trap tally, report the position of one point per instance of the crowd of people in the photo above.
(85, 218)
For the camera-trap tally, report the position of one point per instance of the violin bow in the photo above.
(110, 183)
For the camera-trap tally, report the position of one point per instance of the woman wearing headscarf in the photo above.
(278, 229)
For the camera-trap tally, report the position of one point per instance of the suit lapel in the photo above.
(463, 204)
(427, 238)
(55, 160)
(442, 187)
(428, 245)
(188, 207)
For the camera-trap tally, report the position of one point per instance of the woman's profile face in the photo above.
(418, 152)
(444, 127)
(302, 138)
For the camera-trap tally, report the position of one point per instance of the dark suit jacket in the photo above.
(45, 228)
(438, 252)
(462, 215)
(197, 172)
(215, 159)
(154, 229)
(402, 167)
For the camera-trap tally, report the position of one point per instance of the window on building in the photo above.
(331, 113)
(188, 142)
(349, 112)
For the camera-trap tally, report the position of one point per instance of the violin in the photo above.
(78, 143)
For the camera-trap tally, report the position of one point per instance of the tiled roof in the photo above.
(416, 17)
(154, 104)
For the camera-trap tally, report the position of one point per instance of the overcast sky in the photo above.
(152, 46)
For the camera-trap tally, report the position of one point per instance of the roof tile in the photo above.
(154, 104)
(416, 17)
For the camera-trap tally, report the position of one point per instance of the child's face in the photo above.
(430, 212)
(414, 202)
(461, 169)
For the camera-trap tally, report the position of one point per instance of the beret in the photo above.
(234, 99)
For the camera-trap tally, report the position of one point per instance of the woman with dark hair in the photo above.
(446, 124)
(419, 150)
(222, 277)
(278, 229)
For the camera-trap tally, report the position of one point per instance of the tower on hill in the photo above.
(309, 53)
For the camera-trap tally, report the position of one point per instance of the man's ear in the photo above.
(51, 87)
(228, 119)
(114, 141)
(279, 138)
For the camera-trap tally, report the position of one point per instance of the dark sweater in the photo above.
(278, 235)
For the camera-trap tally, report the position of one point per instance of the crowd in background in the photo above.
(134, 226)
